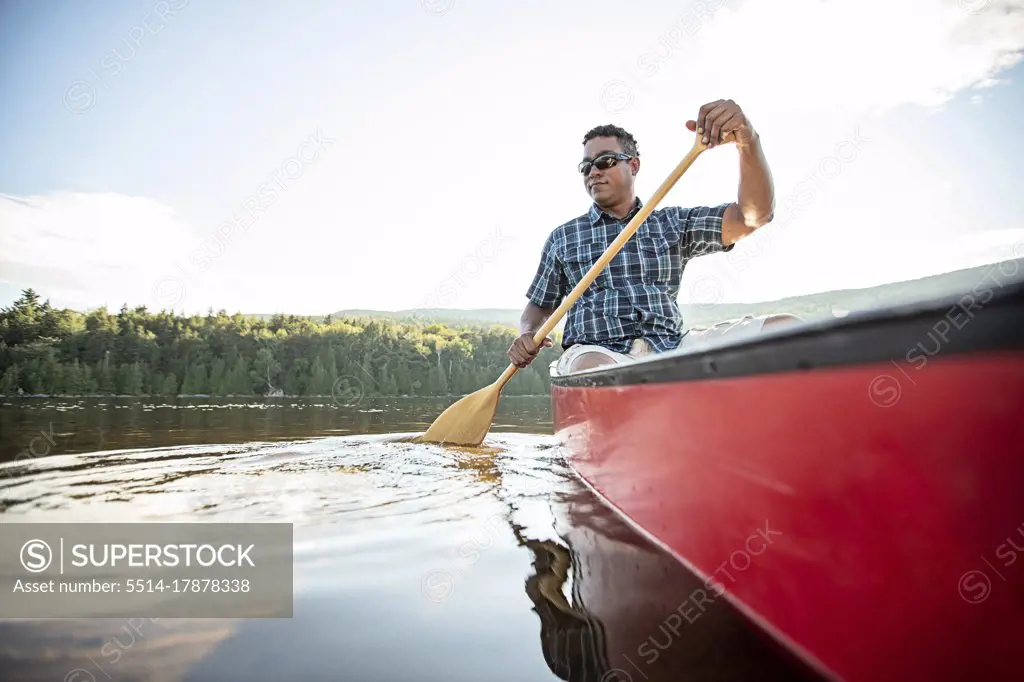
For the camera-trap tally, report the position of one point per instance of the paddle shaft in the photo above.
(609, 253)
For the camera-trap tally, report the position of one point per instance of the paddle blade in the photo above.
(467, 421)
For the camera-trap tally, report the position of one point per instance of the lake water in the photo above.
(411, 561)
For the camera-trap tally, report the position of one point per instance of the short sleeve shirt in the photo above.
(635, 296)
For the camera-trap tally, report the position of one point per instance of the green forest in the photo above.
(44, 350)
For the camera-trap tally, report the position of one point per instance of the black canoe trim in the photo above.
(912, 335)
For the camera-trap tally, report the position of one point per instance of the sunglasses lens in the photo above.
(602, 162)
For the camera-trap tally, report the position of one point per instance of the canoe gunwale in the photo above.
(890, 334)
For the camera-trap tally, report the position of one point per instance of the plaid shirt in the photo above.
(636, 294)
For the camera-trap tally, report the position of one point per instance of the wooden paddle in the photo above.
(468, 420)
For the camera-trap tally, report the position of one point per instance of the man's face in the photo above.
(609, 186)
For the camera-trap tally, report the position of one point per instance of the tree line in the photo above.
(45, 350)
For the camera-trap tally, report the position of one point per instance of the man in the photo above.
(630, 310)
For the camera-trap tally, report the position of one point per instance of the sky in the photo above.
(263, 157)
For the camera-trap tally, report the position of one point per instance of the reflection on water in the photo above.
(31, 428)
(412, 561)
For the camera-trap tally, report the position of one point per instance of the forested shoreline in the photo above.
(135, 352)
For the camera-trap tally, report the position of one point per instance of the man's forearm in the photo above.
(533, 318)
(757, 191)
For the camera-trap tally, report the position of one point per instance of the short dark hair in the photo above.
(627, 141)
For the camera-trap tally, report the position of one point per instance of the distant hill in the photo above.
(839, 302)
(486, 316)
(812, 306)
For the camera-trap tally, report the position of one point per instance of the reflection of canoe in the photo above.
(609, 603)
(853, 485)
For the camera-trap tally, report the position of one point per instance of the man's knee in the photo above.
(590, 361)
(780, 320)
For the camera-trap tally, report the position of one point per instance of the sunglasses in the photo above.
(603, 161)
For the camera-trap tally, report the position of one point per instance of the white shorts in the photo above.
(694, 338)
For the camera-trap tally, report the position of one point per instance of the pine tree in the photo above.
(332, 368)
(170, 386)
(156, 383)
(105, 376)
(321, 382)
(296, 381)
(196, 380)
(9, 383)
(73, 378)
(55, 379)
(390, 387)
(90, 385)
(218, 378)
(132, 379)
(384, 381)
(437, 384)
(240, 382)
(147, 379)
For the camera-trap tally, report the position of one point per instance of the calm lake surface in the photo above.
(411, 562)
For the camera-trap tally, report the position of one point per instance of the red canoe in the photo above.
(855, 486)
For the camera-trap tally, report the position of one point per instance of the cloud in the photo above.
(85, 246)
(855, 57)
(810, 73)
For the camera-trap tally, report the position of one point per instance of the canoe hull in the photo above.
(865, 513)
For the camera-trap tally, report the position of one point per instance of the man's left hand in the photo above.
(721, 122)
